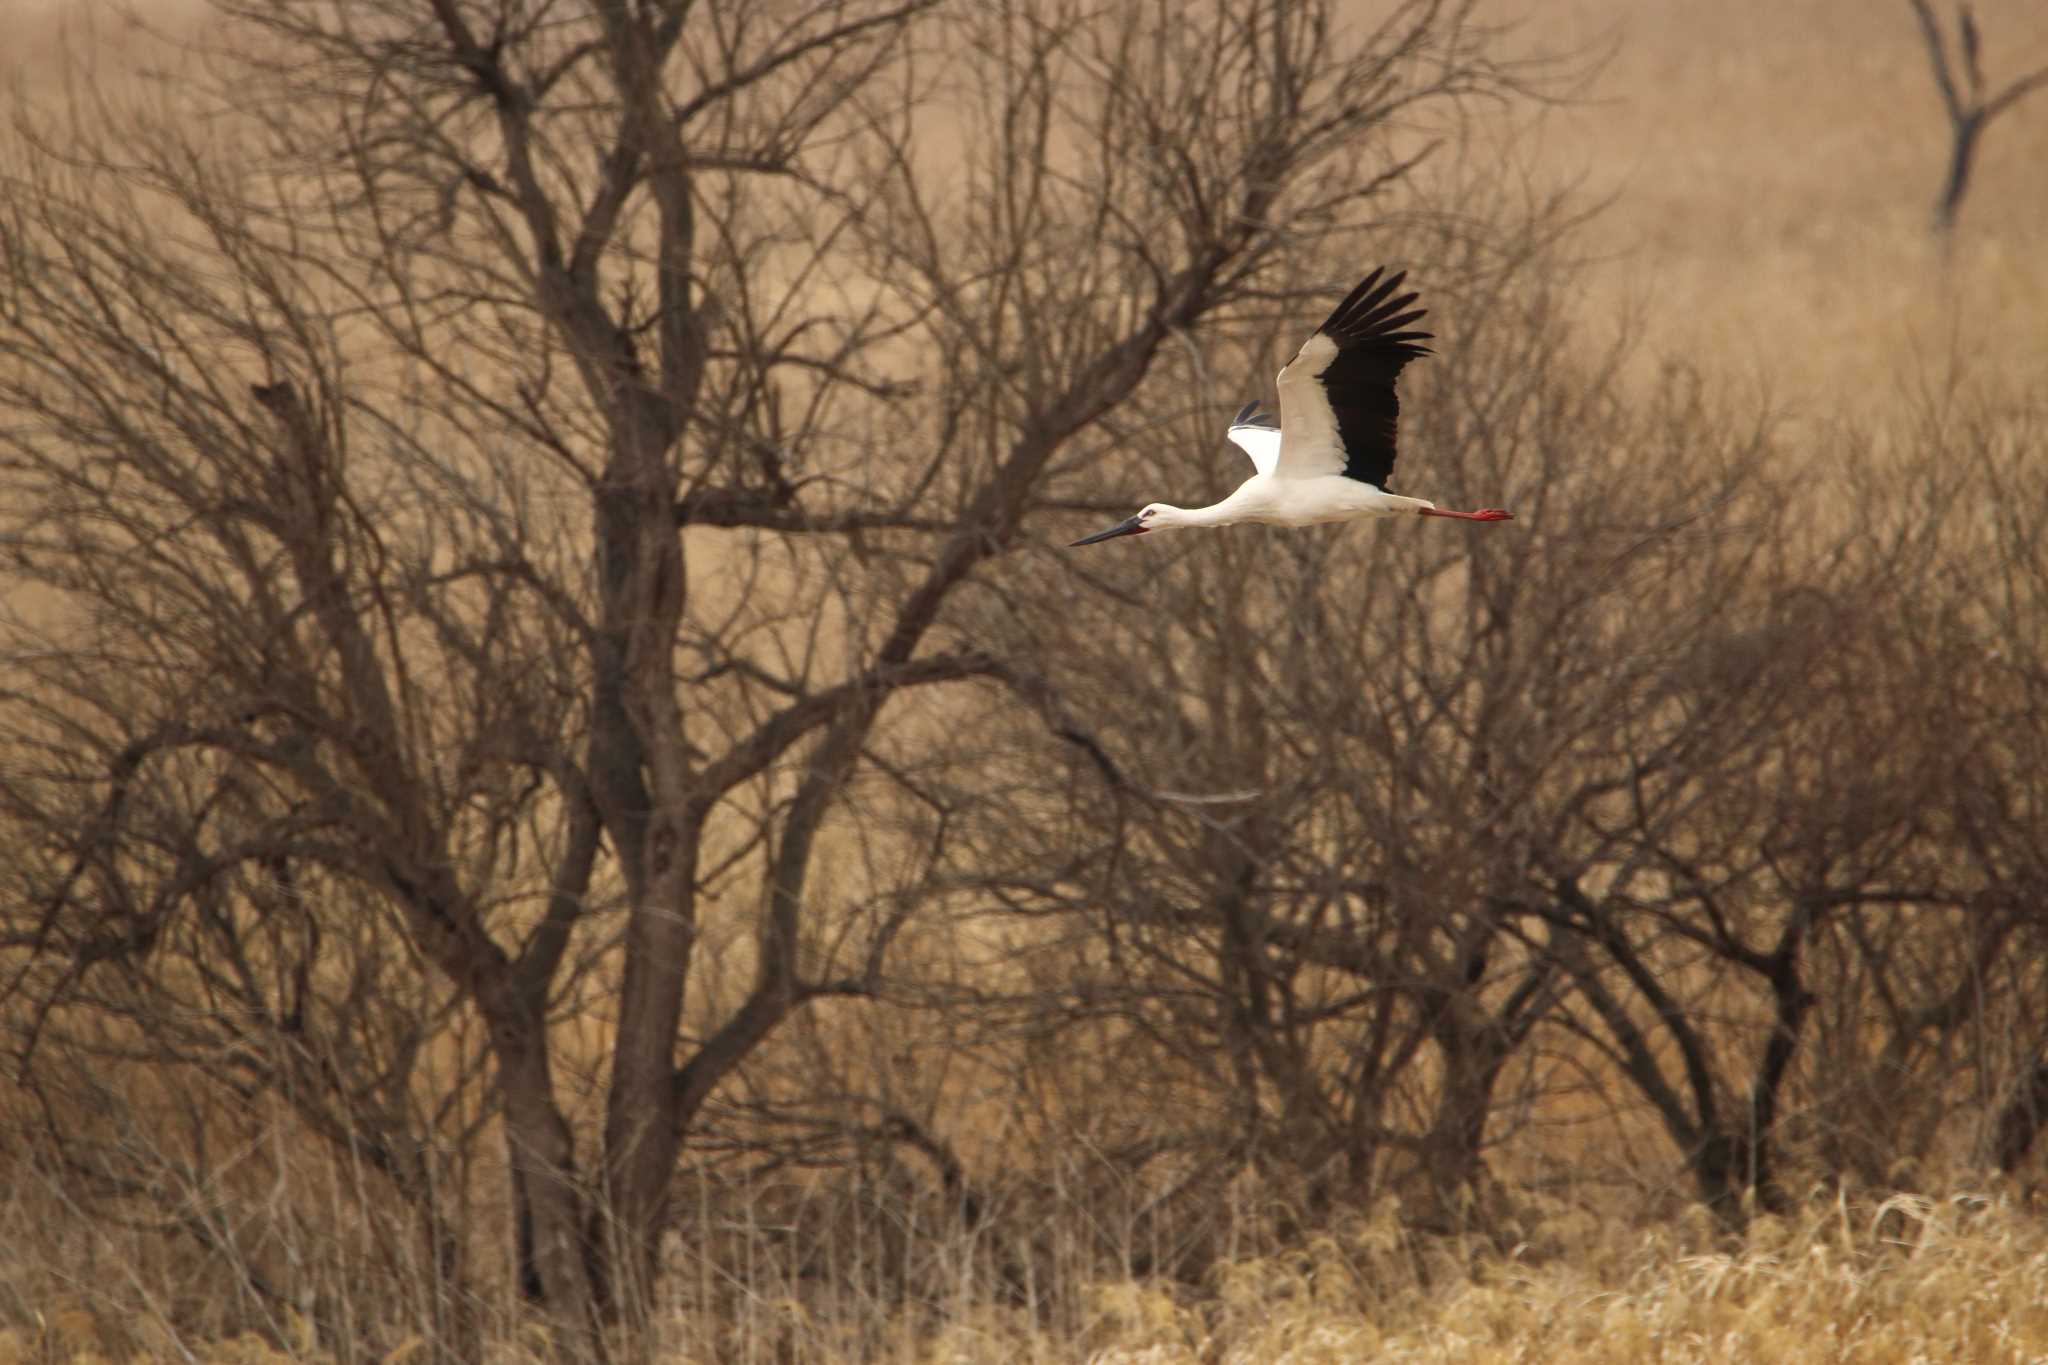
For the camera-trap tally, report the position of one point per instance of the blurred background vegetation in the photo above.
(563, 799)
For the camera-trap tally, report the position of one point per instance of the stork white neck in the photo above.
(1163, 516)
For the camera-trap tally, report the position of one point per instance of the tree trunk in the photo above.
(548, 1196)
(643, 1130)
(2020, 1119)
(1962, 155)
(1453, 1154)
(648, 795)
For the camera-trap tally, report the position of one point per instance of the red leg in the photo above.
(1483, 514)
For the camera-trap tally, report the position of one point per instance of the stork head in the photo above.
(1154, 518)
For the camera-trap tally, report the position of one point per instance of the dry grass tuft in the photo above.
(1908, 1278)
(1911, 1279)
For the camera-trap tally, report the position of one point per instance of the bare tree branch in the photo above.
(1968, 114)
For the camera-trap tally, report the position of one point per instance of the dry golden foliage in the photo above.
(1962, 1277)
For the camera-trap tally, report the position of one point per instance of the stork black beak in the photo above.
(1123, 528)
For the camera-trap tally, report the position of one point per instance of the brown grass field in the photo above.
(1959, 1279)
(1773, 171)
(1769, 172)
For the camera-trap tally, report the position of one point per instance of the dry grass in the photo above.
(1959, 1279)
(1908, 1279)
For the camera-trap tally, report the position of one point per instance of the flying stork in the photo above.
(1329, 457)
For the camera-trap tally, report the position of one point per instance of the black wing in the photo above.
(1371, 349)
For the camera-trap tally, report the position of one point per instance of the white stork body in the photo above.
(1278, 501)
(1329, 458)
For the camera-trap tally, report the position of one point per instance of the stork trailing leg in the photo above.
(1483, 514)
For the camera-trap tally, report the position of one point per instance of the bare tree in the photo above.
(1651, 782)
(1963, 97)
(1995, 592)
(1782, 946)
(1735, 878)
(1311, 774)
(510, 474)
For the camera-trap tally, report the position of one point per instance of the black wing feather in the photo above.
(1371, 349)
(1250, 416)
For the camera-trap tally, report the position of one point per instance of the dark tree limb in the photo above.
(1963, 97)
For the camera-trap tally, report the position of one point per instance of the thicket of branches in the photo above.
(548, 743)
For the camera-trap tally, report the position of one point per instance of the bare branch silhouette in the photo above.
(1963, 96)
